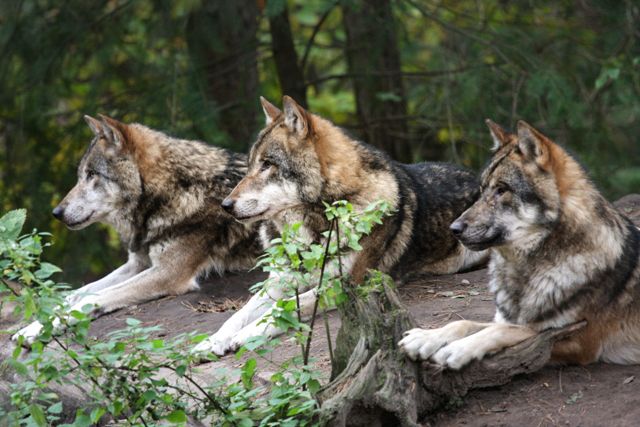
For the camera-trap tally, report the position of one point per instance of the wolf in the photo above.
(300, 160)
(163, 197)
(560, 254)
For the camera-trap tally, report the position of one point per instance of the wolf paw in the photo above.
(30, 333)
(217, 344)
(247, 333)
(421, 344)
(457, 354)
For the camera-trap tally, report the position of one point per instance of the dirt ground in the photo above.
(597, 395)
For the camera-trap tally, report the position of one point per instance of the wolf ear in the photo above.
(270, 110)
(532, 144)
(295, 117)
(113, 130)
(94, 124)
(500, 136)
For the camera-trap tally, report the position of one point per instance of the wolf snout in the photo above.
(227, 204)
(457, 227)
(58, 212)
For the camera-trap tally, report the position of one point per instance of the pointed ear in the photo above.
(270, 110)
(532, 144)
(114, 131)
(94, 124)
(295, 117)
(500, 136)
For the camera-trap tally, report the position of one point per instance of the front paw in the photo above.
(421, 344)
(458, 354)
(29, 333)
(218, 344)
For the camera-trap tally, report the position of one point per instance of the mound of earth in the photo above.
(595, 395)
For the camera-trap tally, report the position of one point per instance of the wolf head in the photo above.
(284, 169)
(521, 189)
(108, 178)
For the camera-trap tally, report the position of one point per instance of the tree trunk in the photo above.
(374, 62)
(290, 74)
(375, 385)
(222, 42)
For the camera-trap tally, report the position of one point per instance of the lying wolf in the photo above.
(163, 197)
(301, 160)
(560, 254)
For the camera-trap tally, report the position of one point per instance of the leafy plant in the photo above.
(136, 379)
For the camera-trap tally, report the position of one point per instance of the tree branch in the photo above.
(316, 29)
(404, 74)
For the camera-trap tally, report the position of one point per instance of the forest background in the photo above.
(416, 78)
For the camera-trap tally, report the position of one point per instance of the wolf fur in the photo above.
(560, 253)
(163, 197)
(300, 160)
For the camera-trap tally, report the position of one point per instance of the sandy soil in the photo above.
(597, 395)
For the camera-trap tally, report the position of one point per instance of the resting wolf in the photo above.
(301, 160)
(560, 253)
(163, 197)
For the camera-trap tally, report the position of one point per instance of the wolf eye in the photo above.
(266, 164)
(91, 174)
(501, 189)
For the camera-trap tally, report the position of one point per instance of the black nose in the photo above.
(57, 212)
(227, 204)
(457, 227)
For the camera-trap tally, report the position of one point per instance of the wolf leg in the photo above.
(220, 342)
(490, 340)
(175, 277)
(133, 266)
(421, 344)
(263, 326)
(129, 269)
(152, 283)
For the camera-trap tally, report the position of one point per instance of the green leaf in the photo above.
(244, 422)
(133, 322)
(18, 366)
(388, 96)
(56, 408)
(96, 414)
(46, 270)
(606, 75)
(149, 395)
(181, 370)
(177, 416)
(37, 414)
(11, 224)
(82, 419)
(248, 370)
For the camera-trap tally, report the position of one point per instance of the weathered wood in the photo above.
(376, 385)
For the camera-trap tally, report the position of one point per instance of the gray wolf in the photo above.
(163, 197)
(560, 253)
(300, 160)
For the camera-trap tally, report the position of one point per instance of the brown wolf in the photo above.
(560, 253)
(163, 197)
(301, 160)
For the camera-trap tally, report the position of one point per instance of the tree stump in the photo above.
(373, 384)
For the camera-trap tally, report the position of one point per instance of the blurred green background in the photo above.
(415, 77)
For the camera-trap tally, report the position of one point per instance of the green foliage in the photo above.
(136, 379)
(571, 68)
